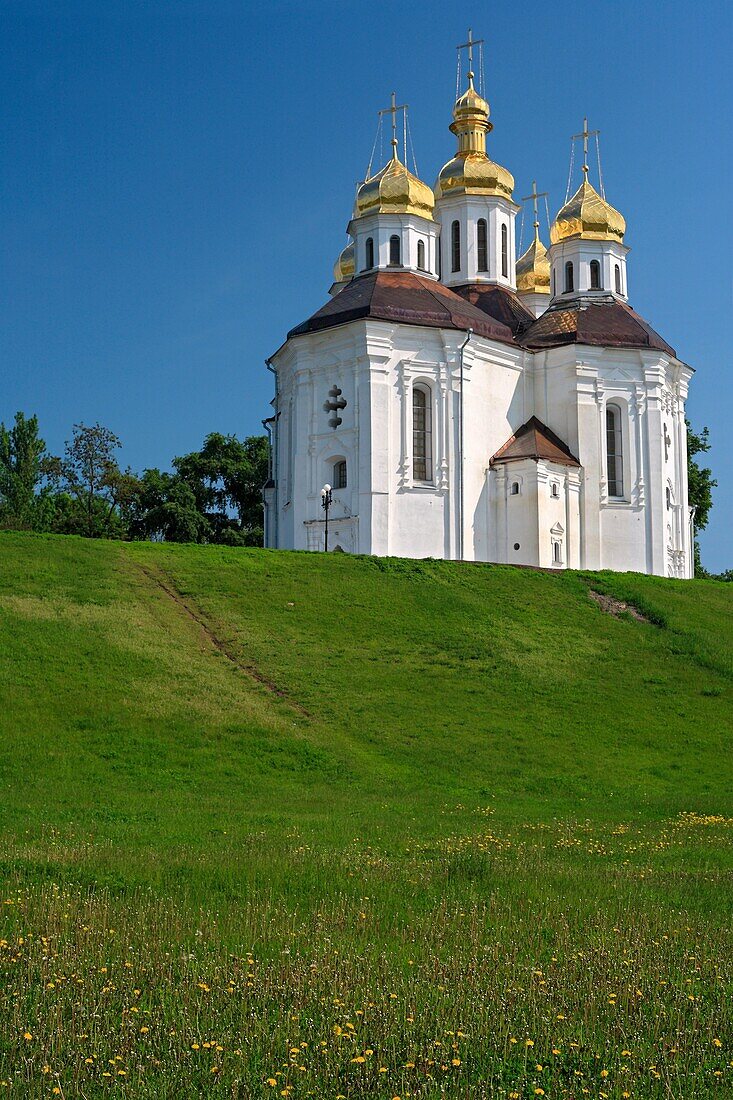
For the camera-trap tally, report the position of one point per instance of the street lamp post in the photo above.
(326, 504)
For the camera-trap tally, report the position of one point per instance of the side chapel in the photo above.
(461, 402)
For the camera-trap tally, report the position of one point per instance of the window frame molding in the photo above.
(424, 386)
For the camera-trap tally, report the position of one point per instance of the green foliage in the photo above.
(25, 502)
(450, 804)
(215, 495)
(700, 486)
(95, 494)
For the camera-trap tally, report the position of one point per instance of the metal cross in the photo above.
(585, 135)
(534, 196)
(469, 46)
(392, 110)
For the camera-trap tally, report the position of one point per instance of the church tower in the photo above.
(587, 253)
(474, 199)
(533, 268)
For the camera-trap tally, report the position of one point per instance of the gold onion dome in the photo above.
(533, 268)
(394, 190)
(471, 172)
(588, 216)
(345, 265)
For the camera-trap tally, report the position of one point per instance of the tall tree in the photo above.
(700, 487)
(25, 500)
(97, 491)
(227, 476)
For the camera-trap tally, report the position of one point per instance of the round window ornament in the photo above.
(516, 545)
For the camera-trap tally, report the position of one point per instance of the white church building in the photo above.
(464, 403)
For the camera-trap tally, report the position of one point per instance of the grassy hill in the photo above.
(362, 805)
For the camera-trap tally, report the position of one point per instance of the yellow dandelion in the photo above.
(27, 1035)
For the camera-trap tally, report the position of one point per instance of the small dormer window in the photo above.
(394, 251)
(595, 275)
(569, 279)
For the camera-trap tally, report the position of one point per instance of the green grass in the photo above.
(457, 807)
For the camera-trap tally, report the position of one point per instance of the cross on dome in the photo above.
(585, 134)
(534, 196)
(392, 110)
(468, 45)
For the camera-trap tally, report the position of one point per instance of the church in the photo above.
(453, 400)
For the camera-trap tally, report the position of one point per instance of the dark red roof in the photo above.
(606, 322)
(535, 440)
(501, 304)
(407, 299)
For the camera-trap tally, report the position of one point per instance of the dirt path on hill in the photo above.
(162, 581)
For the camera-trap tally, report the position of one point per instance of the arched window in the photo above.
(614, 451)
(553, 282)
(569, 284)
(505, 251)
(515, 489)
(617, 277)
(422, 435)
(556, 552)
(421, 255)
(595, 275)
(482, 242)
(455, 240)
(339, 474)
(394, 250)
(369, 252)
(669, 498)
(554, 489)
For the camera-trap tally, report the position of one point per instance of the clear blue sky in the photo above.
(176, 179)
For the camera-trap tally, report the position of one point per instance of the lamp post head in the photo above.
(325, 490)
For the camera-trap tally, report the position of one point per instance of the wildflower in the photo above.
(539, 1092)
(27, 1035)
(717, 1043)
(604, 1073)
(529, 1042)
(271, 1082)
(455, 1061)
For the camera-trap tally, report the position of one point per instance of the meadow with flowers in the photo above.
(289, 825)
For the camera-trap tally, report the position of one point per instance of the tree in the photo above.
(700, 487)
(25, 500)
(165, 509)
(95, 493)
(213, 495)
(227, 476)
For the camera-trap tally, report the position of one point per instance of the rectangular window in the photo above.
(422, 456)
(614, 453)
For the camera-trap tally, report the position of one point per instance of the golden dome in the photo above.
(394, 190)
(345, 265)
(474, 174)
(587, 216)
(533, 268)
(471, 172)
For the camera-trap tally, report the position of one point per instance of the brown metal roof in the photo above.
(606, 322)
(535, 440)
(408, 299)
(500, 303)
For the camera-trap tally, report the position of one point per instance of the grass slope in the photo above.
(380, 768)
